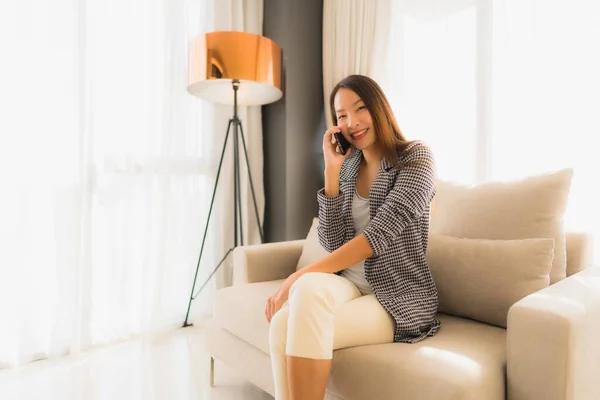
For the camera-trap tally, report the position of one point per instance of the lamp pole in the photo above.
(238, 133)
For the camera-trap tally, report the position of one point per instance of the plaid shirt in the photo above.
(399, 209)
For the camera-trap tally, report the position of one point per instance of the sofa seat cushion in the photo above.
(465, 360)
(240, 309)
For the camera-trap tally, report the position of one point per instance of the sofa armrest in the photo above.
(266, 262)
(553, 341)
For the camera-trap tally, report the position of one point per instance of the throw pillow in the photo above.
(528, 208)
(312, 250)
(481, 279)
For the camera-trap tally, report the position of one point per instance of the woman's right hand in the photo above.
(333, 159)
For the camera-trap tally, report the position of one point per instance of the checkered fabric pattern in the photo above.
(400, 198)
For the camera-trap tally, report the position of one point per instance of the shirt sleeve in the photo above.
(331, 221)
(408, 200)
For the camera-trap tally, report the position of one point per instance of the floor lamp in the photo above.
(234, 68)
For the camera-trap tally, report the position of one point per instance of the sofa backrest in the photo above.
(579, 251)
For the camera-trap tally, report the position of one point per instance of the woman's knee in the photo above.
(310, 287)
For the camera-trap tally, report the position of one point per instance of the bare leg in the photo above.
(307, 377)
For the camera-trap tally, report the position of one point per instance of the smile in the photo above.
(359, 134)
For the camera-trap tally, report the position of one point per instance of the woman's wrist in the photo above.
(332, 171)
(290, 281)
(295, 276)
(332, 181)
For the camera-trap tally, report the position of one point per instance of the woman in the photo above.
(374, 220)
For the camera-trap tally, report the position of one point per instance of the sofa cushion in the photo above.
(482, 278)
(312, 250)
(240, 309)
(528, 208)
(580, 251)
(465, 360)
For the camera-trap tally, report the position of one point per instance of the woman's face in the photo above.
(354, 119)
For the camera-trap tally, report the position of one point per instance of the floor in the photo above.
(173, 367)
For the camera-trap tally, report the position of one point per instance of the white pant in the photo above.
(324, 312)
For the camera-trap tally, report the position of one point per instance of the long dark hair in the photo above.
(388, 133)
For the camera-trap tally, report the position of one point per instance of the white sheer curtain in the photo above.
(546, 98)
(432, 80)
(354, 39)
(106, 170)
(502, 89)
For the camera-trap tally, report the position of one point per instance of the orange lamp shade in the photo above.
(217, 58)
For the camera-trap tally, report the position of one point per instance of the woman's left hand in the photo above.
(275, 302)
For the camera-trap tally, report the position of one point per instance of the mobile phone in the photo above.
(342, 142)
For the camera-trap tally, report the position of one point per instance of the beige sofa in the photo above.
(545, 345)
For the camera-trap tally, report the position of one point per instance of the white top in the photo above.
(360, 219)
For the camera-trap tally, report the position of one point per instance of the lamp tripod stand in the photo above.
(238, 235)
